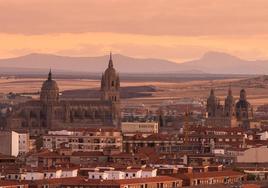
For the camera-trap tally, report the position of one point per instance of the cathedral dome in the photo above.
(49, 85)
(49, 90)
(242, 104)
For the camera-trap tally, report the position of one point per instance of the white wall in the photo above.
(34, 176)
(115, 175)
(254, 155)
(264, 135)
(218, 151)
(128, 174)
(148, 173)
(145, 127)
(132, 174)
(69, 173)
(24, 143)
(97, 175)
(15, 144)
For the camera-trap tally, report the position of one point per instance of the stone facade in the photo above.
(231, 114)
(50, 112)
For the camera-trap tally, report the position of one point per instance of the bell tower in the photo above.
(229, 105)
(110, 83)
(49, 97)
(110, 91)
(212, 104)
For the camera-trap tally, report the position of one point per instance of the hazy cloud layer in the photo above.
(157, 17)
(171, 29)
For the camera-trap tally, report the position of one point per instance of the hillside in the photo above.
(210, 62)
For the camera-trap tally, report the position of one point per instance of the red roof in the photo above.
(204, 175)
(87, 153)
(11, 183)
(82, 181)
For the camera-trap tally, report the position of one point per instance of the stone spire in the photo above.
(111, 61)
(49, 75)
(110, 83)
(230, 93)
(212, 92)
(229, 105)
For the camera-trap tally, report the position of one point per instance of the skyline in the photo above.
(177, 31)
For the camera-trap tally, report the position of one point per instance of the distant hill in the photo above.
(124, 64)
(222, 63)
(211, 62)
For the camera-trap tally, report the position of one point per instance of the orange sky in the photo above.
(172, 29)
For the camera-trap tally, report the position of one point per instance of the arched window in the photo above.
(113, 83)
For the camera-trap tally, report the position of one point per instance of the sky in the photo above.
(177, 30)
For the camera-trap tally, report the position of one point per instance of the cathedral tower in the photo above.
(243, 109)
(49, 91)
(229, 105)
(212, 104)
(49, 97)
(110, 91)
(110, 84)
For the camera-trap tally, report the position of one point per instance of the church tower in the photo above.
(110, 91)
(229, 105)
(49, 97)
(49, 91)
(212, 104)
(110, 84)
(243, 108)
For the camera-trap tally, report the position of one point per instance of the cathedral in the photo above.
(50, 112)
(231, 113)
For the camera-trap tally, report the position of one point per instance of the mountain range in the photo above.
(210, 62)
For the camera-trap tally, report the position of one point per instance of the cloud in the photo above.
(171, 47)
(150, 17)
